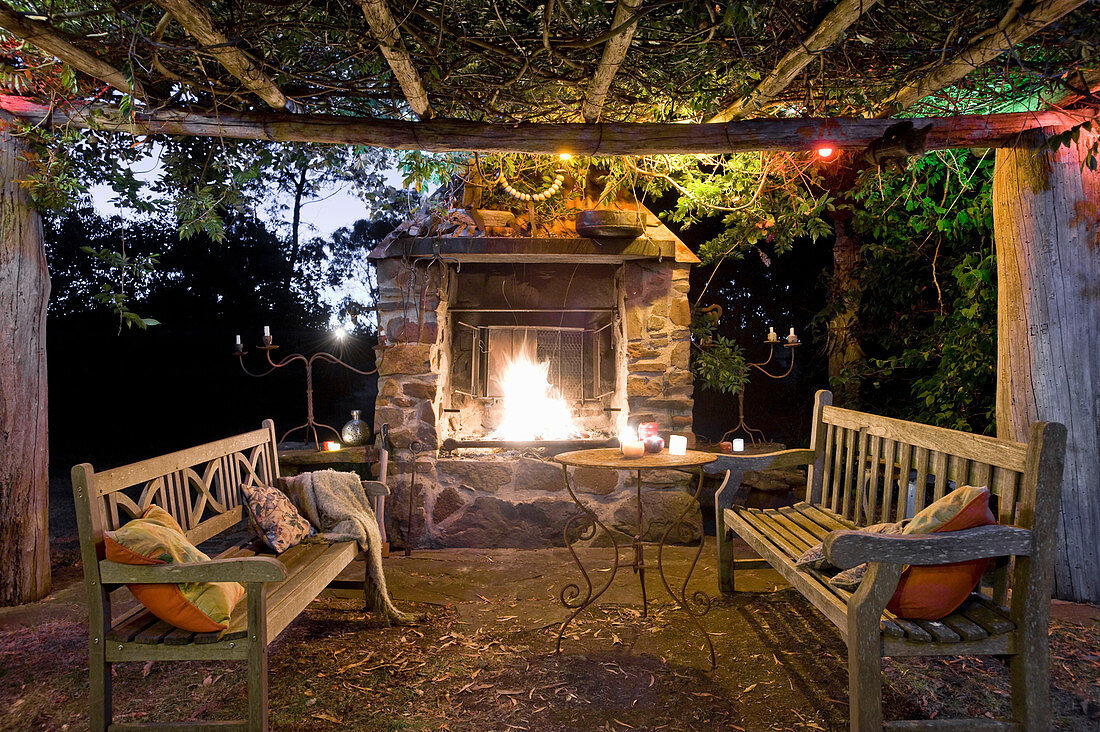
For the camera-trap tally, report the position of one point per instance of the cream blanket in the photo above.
(337, 506)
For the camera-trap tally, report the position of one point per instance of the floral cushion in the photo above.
(156, 538)
(275, 518)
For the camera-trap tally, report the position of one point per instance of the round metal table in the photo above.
(572, 597)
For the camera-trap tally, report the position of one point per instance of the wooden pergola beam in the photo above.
(839, 19)
(46, 38)
(1042, 14)
(385, 31)
(1087, 81)
(198, 23)
(614, 51)
(444, 135)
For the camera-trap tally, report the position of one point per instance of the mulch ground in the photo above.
(484, 660)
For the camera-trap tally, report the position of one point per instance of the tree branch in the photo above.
(197, 21)
(44, 37)
(1040, 16)
(445, 135)
(614, 51)
(384, 29)
(839, 19)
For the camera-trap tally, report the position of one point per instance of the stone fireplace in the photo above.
(606, 324)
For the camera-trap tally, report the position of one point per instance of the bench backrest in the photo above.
(199, 486)
(872, 469)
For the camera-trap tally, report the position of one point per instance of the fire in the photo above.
(532, 409)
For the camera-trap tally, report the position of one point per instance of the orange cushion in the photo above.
(930, 592)
(156, 538)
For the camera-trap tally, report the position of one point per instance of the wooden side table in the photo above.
(572, 597)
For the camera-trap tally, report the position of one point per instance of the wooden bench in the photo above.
(200, 487)
(865, 469)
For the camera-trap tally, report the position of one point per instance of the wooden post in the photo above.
(24, 291)
(1046, 223)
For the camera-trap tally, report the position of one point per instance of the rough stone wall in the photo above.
(521, 501)
(655, 316)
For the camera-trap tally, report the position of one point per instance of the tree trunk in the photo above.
(24, 478)
(1046, 222)
(842, 346)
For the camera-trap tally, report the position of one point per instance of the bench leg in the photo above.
(257, 658)
(723, 499)
(1031, 688)
(865, 645)
(99, 690)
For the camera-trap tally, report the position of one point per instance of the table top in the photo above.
(610, 457)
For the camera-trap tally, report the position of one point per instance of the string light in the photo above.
(541, 196)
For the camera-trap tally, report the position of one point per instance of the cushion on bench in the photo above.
(929, 592)
(156, 538)
(274, 517)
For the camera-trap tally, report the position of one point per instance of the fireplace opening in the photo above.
(548, 334)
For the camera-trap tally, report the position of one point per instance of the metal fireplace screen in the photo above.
(580, 360)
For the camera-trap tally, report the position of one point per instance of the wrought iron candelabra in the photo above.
(311, 425)
(773, 340)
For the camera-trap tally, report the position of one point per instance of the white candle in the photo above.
(792, 338)
(238, 340)
(633, 449)
(267, 331)
(677, 445)
(772, 336)
(738, 445)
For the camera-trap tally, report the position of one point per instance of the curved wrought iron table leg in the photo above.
(571, 596)
(639, 546)
(700, 602)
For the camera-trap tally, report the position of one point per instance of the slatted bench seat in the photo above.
(865, 469)
(200, 487)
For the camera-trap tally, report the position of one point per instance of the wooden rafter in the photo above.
(439, 135)
(384, 29)
(614, 51)
(1042, 14)
(197, 22)
(1087, 81)
(46, 38)
(839, 19)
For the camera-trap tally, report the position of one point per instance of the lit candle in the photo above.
(331, 446)
(677, 445)
(772, 335)
(738, 445)
(633, 449)
(792, 338)
(238, 340)
(267, 331)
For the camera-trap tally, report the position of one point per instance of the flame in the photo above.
(532, 408)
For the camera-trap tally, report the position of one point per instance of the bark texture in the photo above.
(24, 480)
(842, 346)
(1046, 220)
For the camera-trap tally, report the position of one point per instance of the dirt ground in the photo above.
(484, 658)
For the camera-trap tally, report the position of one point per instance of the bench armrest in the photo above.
(241, 569)
(846, 549)
(375, 488)
(741, 463)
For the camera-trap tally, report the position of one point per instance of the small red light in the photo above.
(824, 151)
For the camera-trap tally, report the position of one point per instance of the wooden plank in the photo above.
(232, 650)
(939, 469)
(981, 475)
(229, 725)
(905, 460)
(851, 470)
(648, 138)
(993, 622)
(999, 645)
(124, 476)
(126, 630)
(962, 725)
(920, 457)
(154, 633)
(831, 521)
(831, 449)
(811, 527)
(840, 473)
(889, 449)
(234, 569)
(282, 610)
(984, 449)
(866, 513)
(940, 632)
(967, 629)
(215, 525)
(765, 524)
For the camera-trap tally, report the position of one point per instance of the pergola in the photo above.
(622, 77)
